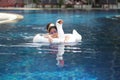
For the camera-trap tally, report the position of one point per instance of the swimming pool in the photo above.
(97, 57)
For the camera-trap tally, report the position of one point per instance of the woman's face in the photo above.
(53, 33)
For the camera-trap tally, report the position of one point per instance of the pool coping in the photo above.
(10, 18)
(12, 8)
(19, 17)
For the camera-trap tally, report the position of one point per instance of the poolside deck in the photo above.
(40, 7)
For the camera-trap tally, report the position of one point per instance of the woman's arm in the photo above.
(50, 39)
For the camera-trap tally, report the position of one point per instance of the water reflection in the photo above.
(59, 55)
(56, 49)
(59, 50)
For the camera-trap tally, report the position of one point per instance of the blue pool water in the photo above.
(97, 57)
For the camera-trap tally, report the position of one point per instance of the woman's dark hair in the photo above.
(51, 27)
(48, 27)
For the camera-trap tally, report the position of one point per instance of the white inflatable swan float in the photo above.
(73, 37)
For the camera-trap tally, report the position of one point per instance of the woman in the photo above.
(54, 33)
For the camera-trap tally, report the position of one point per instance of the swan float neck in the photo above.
(61, 34)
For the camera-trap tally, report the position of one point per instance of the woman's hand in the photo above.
(66, 38)
(49, 38)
